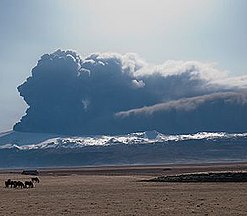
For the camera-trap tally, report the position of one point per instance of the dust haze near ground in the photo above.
(118, 191)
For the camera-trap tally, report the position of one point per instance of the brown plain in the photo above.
(119, 191)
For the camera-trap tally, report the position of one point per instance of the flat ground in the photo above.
(119, 191)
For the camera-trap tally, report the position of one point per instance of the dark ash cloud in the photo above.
(225, 111)
(189, 104)
(111, 93)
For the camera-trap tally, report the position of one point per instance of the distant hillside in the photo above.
(41, 150)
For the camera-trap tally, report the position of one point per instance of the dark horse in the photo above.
(20, 184)
(29, 184)
(8, 183)
(35, 179)
(13, 184)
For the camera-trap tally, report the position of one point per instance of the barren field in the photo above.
(119, 191)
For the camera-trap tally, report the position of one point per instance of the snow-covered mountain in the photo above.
(18, 149)
(28, 141)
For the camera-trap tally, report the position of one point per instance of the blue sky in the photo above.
(158, 30)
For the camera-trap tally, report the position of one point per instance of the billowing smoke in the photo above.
(225, 111)
(111, 93)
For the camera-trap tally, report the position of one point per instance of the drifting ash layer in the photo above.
(204, 177)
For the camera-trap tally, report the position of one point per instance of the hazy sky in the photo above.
(158, 30)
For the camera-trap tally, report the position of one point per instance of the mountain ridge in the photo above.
(28, 141)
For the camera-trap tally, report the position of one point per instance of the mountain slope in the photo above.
(34, 150)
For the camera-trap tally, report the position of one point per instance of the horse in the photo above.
(29, 184)
(35, 179)
(20, 184)
(7, 183)
(13, 184)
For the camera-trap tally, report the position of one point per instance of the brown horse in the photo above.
(35, 179)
